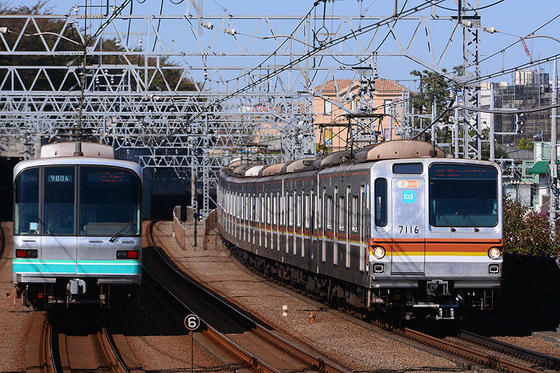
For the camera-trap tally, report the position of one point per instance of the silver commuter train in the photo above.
(400, 228)
(77, 226)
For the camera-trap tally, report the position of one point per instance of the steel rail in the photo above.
(111, 352)
(515, 351)
(47, 358)
(313, 360)
(465, 352)
(243, 356)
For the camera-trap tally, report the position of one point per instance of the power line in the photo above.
(512, 69)
(519, 41)
(472, 9)
(331, 43)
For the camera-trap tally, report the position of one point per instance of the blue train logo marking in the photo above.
(408, 196)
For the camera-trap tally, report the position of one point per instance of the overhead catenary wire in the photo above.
(472, 9)
(517, 41)
(365, 29)
(481, 110)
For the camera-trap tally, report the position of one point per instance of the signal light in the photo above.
(22, 253)
(127, 254)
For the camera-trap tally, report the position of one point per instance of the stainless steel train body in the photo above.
(77, 225)
(422, 235)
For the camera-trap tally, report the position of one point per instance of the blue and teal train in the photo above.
(77, 226)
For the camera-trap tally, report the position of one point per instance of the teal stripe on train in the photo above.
(89, 267)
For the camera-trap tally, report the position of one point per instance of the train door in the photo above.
(59, 246)
(408, 210)
(363, 221)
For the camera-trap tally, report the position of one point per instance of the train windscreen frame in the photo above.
(26, 209)
(58, 200)
(463, 195)
(110, 200)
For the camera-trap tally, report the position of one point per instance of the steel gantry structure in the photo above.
(191, 91)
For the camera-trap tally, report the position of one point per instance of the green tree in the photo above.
(527, 232)
(50, 30)
(432, 86)
(525, 144)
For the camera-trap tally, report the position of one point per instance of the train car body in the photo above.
(77, 226)
(420, 234)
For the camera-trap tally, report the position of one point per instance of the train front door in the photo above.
(59, 242)
(408, 243)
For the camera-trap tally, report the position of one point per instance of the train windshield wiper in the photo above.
(451, 228)
(469, 219)
(119, 232)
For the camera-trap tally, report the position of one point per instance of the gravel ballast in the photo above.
(351, 342)
(15, 320)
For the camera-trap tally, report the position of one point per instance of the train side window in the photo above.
(381, 202)
(299, 210)
(354, 213)
(407, 168)
(26, 212)
(274, 210)
(228, 202)
(291, 210)
(240, 206)
(341, 213)
(320, 209)
(263, 208)
(307, 210)
(282, 210)
(329, 212)
(267, 210)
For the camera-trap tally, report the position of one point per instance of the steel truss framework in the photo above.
(192, 91)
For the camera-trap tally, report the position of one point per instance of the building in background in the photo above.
(530, 89)
(370, 109)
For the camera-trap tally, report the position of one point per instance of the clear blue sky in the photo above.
(517, 17)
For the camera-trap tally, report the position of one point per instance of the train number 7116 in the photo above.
(409, 229)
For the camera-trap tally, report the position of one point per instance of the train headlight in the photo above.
(494, 253)
(378, 252)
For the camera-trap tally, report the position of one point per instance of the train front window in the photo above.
(109, 202)
(59, 200)
(463, 195)
(26, 218)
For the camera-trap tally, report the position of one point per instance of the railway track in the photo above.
(61, 351)
(480, 350)
(542, 360)
(248, 340)
(486, 358)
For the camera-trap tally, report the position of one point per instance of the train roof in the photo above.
(388, 150)
(65, 154)
(68, 149)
